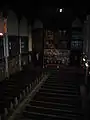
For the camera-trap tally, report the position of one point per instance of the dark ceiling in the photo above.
(36, 8)
(47, 14)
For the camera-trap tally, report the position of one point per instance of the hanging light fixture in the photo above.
(60, 10)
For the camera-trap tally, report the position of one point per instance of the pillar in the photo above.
(29, 41)
(24, 41)
(12, 24)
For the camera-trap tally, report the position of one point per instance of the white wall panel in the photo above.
(12, 23)
(23, 27)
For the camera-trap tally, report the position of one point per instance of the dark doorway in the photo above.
(75, 58)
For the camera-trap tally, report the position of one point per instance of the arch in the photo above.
(23, 27)
(37, 24)
(77, 23)
(12, 24)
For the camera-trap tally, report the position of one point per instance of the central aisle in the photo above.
(58, 98)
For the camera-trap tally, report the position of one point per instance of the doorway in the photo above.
(75, 58)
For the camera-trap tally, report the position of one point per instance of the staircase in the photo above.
(57, 99)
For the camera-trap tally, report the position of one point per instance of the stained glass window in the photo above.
(76, 44)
